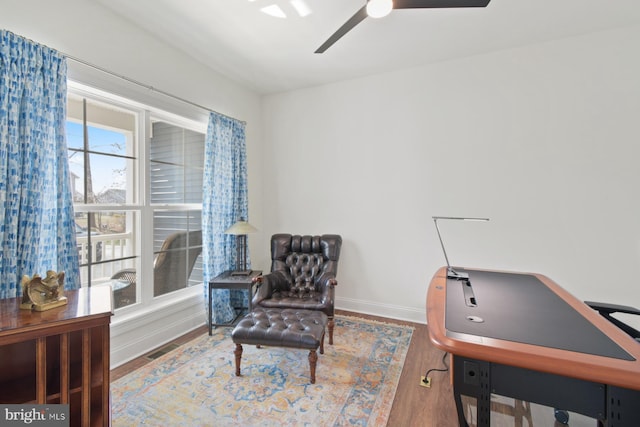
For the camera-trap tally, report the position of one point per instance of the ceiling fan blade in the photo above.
(421, 4)
(398, 4)
(346, 27)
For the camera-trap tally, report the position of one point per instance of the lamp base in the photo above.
(241, 273)
(452, 274)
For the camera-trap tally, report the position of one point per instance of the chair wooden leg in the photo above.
(238, 353)
(331, 324)
(322, 344)
(313, 358)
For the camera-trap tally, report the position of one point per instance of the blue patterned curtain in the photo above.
(37, 232)
(224, 202)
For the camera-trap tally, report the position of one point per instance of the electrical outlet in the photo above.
(425, 382)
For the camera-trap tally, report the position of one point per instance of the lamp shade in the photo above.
(241, 227)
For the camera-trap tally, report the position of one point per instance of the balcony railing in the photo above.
(107, 251)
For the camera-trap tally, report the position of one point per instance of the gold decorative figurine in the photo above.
(43, 294)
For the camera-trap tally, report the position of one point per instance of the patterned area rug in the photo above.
(195, 385)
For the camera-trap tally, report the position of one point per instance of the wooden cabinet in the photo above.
(59, 356)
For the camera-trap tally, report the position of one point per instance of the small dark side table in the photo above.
(229, 280)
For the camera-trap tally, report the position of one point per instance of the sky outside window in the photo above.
(108, 172)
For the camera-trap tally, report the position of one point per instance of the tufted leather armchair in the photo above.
(303, 275)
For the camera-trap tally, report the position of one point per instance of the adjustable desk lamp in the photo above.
(451, 273)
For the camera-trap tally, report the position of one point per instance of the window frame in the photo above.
(143, 231)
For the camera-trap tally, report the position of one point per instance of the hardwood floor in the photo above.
(131, 366)
(415, 405)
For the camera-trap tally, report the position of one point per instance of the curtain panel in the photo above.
(224, 202)
(37, 230)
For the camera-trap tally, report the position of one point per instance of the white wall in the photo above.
(85, 30)
(541, 139)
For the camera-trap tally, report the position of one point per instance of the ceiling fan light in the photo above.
(301, 7)
(274, 10)
(379, 8)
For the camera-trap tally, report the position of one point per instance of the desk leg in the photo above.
(484, 398)
(472, 378)
(622, 406)
(462, 422)
(611, 406)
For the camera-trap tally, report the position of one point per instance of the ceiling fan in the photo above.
(380, 8)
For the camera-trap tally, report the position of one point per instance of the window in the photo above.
(109, 155)
(175, 164)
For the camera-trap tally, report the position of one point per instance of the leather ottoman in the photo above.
(276, 327)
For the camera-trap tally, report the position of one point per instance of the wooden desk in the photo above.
(59, 356)
(521, 341)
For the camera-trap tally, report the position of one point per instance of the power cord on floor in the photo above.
(425, 381)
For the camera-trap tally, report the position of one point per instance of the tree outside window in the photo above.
(105, 156)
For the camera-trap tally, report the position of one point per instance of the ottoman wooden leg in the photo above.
(330, 325)
(313, 358)
(238, 354)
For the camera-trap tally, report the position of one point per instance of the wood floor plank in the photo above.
(414, 405)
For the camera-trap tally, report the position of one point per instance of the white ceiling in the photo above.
(271, 54)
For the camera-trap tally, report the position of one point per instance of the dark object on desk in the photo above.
(303, 275)
(606, 310)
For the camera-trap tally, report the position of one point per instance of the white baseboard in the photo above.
(385, 310)
(140, 332)
(135, 335)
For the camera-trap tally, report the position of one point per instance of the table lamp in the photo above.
(240, 229)
(451, 273)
